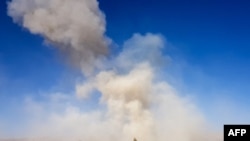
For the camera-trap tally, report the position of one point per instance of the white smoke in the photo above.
(142, 106)
(76, 27)
(135, 103)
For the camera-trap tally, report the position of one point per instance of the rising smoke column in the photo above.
(136, 103)
(75, 27)
(139, 104)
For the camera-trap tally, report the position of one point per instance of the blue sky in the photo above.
(210, 42)
(209, 46)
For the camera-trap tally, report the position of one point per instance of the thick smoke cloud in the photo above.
(143, 106)
(134, 102)
(76, 27)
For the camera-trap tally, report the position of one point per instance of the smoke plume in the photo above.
(76, 27)
(135, 102)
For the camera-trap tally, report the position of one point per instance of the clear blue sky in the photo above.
(209, 39)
